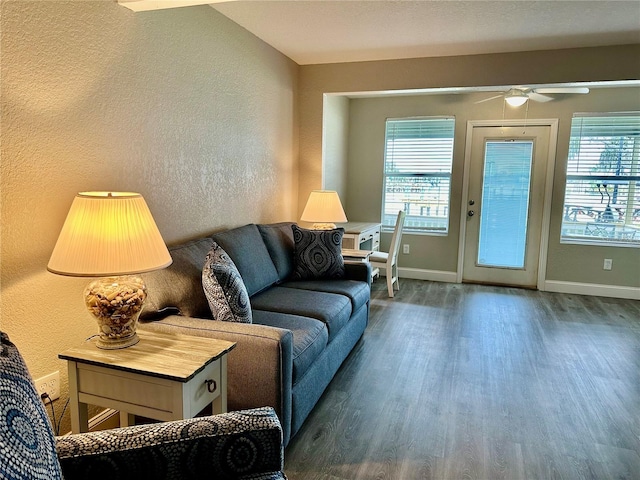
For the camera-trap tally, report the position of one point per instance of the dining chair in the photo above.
(389, 260)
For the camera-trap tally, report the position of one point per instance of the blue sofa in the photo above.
(302, 330)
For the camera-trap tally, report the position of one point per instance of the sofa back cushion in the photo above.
(278, 238)
(249, 253)
(178, 288)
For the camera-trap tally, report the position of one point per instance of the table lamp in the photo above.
(323, 209)
(111, 235)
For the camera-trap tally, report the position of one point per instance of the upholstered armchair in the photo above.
(238, 445)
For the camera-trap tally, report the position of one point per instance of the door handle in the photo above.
(471, 213)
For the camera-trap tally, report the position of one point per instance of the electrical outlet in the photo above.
(49, 384)
(608, 263)
(405, 248)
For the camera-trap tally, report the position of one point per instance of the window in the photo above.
(417, 173)
(602, 196)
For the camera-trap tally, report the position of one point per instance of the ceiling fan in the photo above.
(517, 96)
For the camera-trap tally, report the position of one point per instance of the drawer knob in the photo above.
(211, 385)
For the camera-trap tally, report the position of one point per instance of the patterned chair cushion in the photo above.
(27, 445)
(317, 253)
(223, 286)
(237, 445)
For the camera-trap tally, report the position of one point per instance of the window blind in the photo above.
(418, 160)
(602, 193)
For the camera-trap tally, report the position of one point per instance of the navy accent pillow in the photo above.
(27, 445)
(224, 288)
(317, 253)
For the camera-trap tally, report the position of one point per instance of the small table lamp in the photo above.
(108, 234)
(323, 209)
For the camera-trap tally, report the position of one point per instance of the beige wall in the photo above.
(182, 105)
(365, 158)
(335, 132)
(558, 66)
(362, 200)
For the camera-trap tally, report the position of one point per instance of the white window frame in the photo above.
(589, 217)
(428, 209)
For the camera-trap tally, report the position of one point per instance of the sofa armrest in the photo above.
(358, 271)
(244, 445)
(260, 367)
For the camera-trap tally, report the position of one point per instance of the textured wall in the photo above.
(182, 105)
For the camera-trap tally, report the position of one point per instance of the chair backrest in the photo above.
(27, 445)
(394, 247)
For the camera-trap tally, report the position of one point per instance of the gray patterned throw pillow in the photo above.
(317, 253)
(223, 286)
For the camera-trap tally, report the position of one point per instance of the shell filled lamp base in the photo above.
(323, 226)
(116, 304)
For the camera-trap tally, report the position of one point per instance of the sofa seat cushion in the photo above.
(358, 292)
(310, 337)
(332, 309)
(247, 250)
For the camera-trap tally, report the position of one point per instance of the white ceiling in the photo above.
(326, 31)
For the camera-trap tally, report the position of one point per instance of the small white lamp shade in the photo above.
(516, 98)
(323, 209)
(108, 233)
(111, 235)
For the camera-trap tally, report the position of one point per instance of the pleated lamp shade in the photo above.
(108, 233)
(323, 206)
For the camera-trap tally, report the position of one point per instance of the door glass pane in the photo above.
(505, 203)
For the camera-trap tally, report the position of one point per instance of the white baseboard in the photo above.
(106, 419)
(431, 275)
(597, 290)
(593, 289)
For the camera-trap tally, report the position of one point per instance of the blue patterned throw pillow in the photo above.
(317, 253)
(27, 445)
(223, 286)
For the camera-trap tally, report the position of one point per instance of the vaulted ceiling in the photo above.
(321, 31)
(327, 31)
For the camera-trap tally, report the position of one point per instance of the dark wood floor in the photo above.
(466, 381)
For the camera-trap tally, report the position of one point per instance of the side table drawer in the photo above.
(203, 389)
(144, 395)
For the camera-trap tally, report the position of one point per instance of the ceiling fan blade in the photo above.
(580, 90)
(536, 97)
(487, 99)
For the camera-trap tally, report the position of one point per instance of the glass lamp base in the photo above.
(116, 304)
(323, 226)
(117, 343)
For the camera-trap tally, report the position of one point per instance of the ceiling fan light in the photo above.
(516, 99)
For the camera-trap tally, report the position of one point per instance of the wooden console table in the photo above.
(361, 236)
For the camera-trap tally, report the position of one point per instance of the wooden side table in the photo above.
(164, 377)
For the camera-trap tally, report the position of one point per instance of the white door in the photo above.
(505, 205)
